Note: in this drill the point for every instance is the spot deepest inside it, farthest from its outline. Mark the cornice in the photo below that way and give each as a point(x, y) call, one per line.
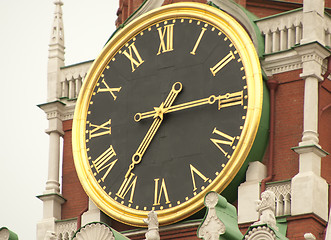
point(280, 62)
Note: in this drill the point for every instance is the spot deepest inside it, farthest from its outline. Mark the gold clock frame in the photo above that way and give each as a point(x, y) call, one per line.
point(246, 49)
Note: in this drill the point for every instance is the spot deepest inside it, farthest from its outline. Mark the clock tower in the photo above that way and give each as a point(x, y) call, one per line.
point(185, 98)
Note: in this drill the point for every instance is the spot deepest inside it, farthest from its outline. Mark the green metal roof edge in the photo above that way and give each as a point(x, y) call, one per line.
point(75, 64)
point(51, 194)
point(47, 103)
point(125, 22)
point(279, 14)
point(66, 220)
point(252, 18)
point(12, 235)
point(227, 214)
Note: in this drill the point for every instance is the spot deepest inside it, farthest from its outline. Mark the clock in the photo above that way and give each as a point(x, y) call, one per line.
point(169, 111)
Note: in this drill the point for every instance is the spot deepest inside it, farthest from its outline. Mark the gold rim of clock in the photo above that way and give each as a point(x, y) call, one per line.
point(239, 37)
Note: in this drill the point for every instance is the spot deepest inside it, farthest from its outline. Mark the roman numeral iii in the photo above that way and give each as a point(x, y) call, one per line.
point(166, 35)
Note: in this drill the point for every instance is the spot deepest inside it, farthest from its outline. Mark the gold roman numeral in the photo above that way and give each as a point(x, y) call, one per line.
point(198, 41)
point(108, 89)
point(195, 171)
point(166, 35)
point(99, 130)
point(231, 99)
point(134, 57)
point(128, 184)
point(222, 63)
point(103, 161)
point(218, 142)
point(158, 192)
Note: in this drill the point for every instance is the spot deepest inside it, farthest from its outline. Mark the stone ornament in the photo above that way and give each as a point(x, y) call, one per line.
point(220, 219)
point(94, 231)
point(212, 227)
point(260, 232)
point(266, 209)
point(153, 226)
point(6, 234)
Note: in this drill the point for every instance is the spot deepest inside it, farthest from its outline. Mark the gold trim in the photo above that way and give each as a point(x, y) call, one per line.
point(245, 47)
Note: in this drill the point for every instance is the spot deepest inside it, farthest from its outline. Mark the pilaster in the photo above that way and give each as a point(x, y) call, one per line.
point(309, 190)
point(249, 192)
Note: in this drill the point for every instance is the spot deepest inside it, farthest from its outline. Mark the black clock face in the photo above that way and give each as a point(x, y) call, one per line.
point(166, 114)
point(169, 111)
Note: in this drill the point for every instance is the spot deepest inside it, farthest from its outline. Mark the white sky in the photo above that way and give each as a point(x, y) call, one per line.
point(25, 31)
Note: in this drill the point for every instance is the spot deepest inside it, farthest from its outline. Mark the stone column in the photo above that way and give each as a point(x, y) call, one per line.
point(309, 190)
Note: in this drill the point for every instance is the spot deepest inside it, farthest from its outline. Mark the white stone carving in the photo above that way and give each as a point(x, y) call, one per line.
point(153, 226)
point(95, 231)
point(66, 229)
point(282, 191)
point(212, 227)
point(4, 234)
point(261, 232)
point(50, 235)
point(309, 236)
point(266, 209)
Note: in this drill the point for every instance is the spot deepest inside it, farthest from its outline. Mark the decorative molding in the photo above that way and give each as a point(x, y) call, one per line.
point(94, 231)
point(260, 232)
point(220, 221)
point(212, 227)
point(282, 191)
point(66, 229)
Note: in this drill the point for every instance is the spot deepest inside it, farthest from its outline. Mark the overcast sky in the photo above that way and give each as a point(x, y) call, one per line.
point(25, 32)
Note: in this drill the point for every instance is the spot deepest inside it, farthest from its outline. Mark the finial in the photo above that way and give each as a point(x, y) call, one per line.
point(58, 2)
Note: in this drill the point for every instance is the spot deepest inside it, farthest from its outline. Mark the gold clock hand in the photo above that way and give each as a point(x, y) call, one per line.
point(182, 106)
point(226, 100)
point(158, 115)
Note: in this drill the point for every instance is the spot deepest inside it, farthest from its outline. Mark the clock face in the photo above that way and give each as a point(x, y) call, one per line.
point(165, 115)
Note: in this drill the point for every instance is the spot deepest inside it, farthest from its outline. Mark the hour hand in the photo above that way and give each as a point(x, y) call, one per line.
point(158, 115)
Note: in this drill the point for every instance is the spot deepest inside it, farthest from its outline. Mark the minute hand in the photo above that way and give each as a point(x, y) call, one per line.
point(226, 100)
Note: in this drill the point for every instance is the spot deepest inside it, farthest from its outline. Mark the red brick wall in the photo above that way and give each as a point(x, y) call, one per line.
point(325, 127)
point(298, 226)
point(72, 191)
point(288, 124)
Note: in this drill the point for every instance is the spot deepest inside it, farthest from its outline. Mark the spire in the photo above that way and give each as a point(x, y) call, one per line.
point(57, 35)
point(55, 53)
